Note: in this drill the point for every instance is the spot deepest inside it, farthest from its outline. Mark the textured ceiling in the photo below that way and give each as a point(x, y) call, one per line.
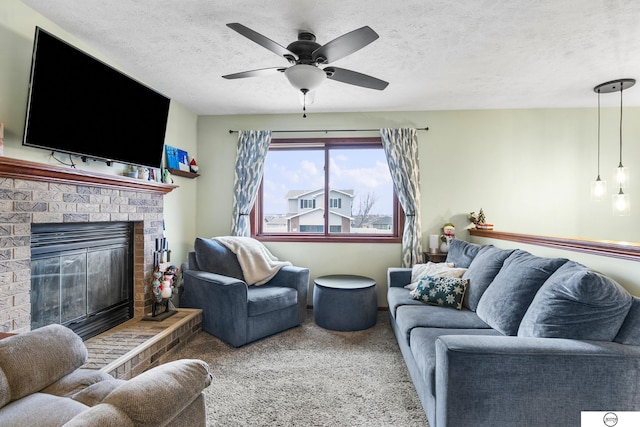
point(436, 54)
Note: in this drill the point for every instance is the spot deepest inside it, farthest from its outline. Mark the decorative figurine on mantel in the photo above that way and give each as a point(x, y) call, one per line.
point(449, 234)
point(193, 165)
point(166, 176)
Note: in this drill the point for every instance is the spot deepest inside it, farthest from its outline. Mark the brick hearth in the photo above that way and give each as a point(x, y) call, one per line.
point(40, 193)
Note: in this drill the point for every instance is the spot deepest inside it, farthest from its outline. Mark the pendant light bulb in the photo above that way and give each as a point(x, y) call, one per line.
point(598, 189)
point(622, 176)
point(621, 204)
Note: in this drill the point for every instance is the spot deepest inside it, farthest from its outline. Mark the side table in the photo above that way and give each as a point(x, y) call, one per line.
point(437, 257)
point(344, 302)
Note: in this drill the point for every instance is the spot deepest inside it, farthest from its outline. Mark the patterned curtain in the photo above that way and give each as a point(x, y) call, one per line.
point(252, 150)
point(401, 148)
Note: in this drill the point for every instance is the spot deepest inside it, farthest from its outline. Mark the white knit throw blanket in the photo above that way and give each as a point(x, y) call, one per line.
point(257, 263)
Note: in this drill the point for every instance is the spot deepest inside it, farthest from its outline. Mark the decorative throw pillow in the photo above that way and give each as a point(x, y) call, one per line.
point(577, 303)
point(439, 269)
point(461, 253)
point(504, 303)
point(442, 291)
point(483, 269)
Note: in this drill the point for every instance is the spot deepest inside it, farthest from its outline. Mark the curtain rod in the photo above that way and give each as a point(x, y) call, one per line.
point(325, 130)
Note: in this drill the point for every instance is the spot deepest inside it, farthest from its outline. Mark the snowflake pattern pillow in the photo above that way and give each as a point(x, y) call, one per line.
point(440, 269)
point(442, 291)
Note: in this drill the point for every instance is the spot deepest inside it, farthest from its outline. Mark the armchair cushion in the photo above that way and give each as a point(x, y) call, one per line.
point(267, 298)
point(214, 257)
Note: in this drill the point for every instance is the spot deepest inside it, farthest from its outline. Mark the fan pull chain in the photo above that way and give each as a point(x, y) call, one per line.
point(304, 103)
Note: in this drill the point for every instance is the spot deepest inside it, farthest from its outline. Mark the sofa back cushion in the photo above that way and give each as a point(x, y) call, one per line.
point(33, 360)
point(507, 298)
point(576, 303)
point(214, 257)
point(483, 269)
point(630, 331)
point(461, 253)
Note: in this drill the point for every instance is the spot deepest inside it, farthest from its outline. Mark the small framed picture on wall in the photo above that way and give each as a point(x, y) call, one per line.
point(177, 158)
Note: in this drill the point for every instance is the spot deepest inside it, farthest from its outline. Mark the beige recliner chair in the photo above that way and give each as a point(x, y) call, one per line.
point(42, 384)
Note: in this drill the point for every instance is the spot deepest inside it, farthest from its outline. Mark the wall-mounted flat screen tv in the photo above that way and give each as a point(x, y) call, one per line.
point(79, 105)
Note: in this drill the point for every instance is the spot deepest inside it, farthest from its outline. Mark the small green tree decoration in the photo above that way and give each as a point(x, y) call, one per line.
point(479, 218)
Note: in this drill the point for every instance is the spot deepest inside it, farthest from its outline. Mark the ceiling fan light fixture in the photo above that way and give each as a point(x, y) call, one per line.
point(307, 98)
point(303, 76)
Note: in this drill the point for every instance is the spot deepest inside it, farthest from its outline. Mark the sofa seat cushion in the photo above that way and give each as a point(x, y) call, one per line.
point(504, 303)
point(266, 298)
point(423, 349)
point(481, 272)
point(40, 409)
point(409, 317)
point(397, 297)
point(577, 303)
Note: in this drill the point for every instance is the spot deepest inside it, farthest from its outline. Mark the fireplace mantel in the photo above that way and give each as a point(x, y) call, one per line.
point(22, 169)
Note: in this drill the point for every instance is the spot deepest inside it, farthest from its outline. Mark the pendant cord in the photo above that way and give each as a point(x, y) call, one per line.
point(621, 87)
point(598, 135)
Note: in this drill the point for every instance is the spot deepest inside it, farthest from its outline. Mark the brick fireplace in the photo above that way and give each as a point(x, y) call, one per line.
point(40, 193)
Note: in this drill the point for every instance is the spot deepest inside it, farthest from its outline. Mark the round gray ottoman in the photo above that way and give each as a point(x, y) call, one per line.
point(344, 302)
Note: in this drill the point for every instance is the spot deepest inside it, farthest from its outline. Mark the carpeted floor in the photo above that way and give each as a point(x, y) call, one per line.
point(309, 376)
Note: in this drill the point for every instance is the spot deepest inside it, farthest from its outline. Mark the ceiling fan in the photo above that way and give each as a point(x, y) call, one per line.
point(306, 56)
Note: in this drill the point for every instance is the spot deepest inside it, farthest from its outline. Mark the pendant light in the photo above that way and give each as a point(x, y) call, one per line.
point(598, 187)
point(621, 202)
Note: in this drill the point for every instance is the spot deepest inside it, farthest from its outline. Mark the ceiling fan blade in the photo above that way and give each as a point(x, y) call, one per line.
point(255, 73)
point(263, 41)
point(355, 78)
point(344, 45)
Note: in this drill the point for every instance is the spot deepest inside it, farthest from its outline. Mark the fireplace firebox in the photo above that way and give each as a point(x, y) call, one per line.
point(82, 275)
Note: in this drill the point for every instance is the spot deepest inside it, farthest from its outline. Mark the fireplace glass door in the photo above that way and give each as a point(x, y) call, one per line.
point(82, 276)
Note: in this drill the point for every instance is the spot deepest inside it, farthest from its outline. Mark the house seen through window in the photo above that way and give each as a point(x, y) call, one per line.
point(328, 189)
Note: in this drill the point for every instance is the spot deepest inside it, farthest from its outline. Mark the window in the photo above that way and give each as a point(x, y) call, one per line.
point(349, 175)
point(307, 203)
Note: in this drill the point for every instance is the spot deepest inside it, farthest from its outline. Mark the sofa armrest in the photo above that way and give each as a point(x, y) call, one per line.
point(153, 398)
point(398, 276)
point(298, 279)
point(503, 380)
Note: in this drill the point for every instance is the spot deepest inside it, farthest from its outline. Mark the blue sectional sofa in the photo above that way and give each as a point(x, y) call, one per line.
point(535, 341)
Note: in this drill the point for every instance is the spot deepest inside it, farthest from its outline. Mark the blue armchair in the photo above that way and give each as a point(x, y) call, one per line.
point(233, 311)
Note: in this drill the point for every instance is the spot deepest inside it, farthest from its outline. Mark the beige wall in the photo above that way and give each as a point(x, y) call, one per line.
point(530, 170)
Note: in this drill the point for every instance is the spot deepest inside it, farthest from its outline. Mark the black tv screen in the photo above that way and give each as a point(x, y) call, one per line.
point(80, 105)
